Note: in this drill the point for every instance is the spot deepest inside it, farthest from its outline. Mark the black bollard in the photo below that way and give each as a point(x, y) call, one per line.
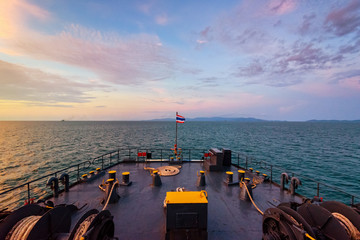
point(229, 178)
point(125, 179)
point(156, 178)
point(241, 175)
point(114, 197)
point(112, 174)
point(201, 179)
point(249, 189)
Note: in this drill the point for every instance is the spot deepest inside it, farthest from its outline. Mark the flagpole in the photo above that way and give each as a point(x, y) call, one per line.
point(175, 147)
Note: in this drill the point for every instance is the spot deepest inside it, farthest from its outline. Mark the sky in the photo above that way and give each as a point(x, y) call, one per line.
point(137, 60)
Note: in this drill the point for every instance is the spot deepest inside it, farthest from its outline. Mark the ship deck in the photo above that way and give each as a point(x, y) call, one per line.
point(140, 214)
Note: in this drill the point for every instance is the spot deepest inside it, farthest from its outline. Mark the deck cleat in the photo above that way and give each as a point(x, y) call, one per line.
point(125, 179)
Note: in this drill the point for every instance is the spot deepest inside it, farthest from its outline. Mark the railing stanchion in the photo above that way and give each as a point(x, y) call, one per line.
point(110, 159)
point(102, 162)
point(161, 155)
point(271, 173)
point(238, 157)
point(28, 188)
point(78, 171)
point(246, 162)
point(318, 190)
point(118, 157)
point(189, 154)
point(352, 200)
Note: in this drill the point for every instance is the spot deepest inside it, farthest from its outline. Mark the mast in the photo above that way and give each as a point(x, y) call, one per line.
point(175, 147)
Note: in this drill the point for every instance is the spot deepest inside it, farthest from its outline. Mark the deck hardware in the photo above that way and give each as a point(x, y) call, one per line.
point(295, 182)
point(125, 179)
point(64, 179)
point(249, 188)
point(200, 179)
point(53, 182)
point(111, 194)
point(284, 179)
point(112, 174)
point(241, 175)
point(266, 177)
point(156, 178)
point(229, 177)
point(257, 173)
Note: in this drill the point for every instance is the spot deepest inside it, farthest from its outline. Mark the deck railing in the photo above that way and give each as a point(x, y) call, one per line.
point(310, 187)
point(15, 197)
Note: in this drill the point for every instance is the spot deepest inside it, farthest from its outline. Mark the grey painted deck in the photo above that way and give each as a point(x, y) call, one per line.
point(139, 214)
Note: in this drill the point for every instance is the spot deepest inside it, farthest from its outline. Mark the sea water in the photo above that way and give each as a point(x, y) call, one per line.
point(325, 151)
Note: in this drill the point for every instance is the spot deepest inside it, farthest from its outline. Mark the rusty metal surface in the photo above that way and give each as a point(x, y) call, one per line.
point(140, 214)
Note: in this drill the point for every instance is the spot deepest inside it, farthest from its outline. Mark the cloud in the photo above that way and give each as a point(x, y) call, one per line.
point(345, 20)
point(27, 84)
point(14, 14)
point(162, 19)
point(119, 60)
point(253, 69)
point(127, 59)
point(307, 22)
point(280, 7)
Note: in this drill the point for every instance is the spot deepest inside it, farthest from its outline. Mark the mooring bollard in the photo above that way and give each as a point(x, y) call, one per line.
point(241, 175)
point(201, 179)
point(156, 178)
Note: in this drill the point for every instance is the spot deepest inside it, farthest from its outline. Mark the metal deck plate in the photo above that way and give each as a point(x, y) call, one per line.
point(140, 214)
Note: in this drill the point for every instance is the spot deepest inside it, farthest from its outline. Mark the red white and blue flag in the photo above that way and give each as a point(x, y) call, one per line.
point(180, 119)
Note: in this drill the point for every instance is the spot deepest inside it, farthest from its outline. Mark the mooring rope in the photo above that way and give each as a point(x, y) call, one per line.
point(348, 226)
point(22, 229)
point(83, 227)
point(247, 190)
point(112, 188)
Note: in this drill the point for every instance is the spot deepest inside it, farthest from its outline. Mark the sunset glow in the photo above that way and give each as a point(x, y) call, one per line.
point(116, 60)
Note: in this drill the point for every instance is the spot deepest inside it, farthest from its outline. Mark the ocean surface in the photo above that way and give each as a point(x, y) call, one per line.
point(327, 152)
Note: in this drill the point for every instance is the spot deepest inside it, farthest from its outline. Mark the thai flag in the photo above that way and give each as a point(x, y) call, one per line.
point(180, 119)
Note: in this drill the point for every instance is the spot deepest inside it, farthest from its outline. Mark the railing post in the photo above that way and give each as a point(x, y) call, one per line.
point(118, 157)
point(318, 190)
point(238, 157)
point(129, 153)
point(110, 159)
point(161, 155)
point(78, 171)
point(28, 188)
point(189, 154)
point(246, 162)
point(352, 200)
point(102, 162)
point(271, 173)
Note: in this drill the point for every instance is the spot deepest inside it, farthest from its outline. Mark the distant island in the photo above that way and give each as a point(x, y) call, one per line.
point(223, 119)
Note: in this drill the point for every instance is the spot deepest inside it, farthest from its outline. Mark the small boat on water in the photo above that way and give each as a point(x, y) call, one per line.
point(194, 194)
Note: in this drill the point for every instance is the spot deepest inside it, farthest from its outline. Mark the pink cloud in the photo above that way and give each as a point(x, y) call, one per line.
point(162, 19)
point(15, 14)
point(121, 60)
point(281, 7)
